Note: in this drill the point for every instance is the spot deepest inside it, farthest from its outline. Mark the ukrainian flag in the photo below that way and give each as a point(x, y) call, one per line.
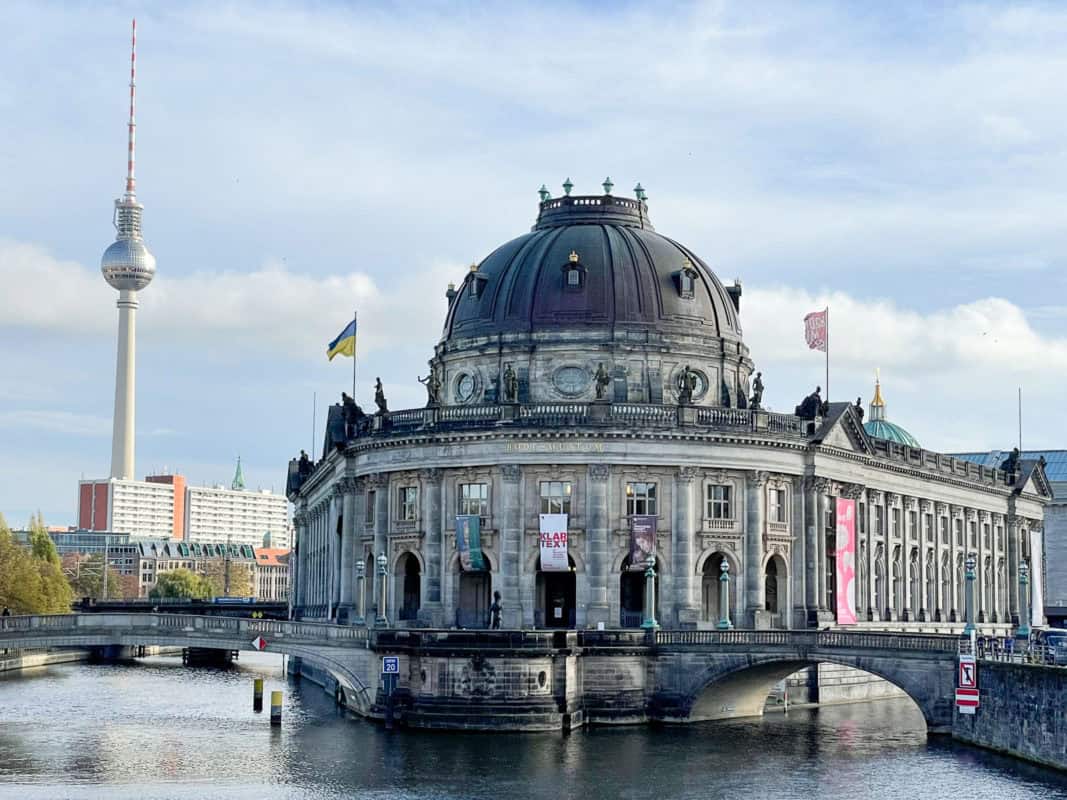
point(344, 344)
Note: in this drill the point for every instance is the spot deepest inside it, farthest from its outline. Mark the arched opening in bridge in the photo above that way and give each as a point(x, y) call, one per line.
point(475, 597)
point(778, 684)
point(408, 587)
point(556, 593)
point(710, 609)
point(632, 593)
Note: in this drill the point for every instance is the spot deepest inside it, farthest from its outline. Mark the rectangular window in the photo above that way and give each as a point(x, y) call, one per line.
point(986, 540)
point(640, 498)
point(944, 529)
point(896, 522)
point(720, 502)
point(368, 512)
point(776, 505)
point(555, 497)
point(958, 523)
point(862, 517)
point(879, 521)
point(913, 521)
point(1000, 538)
point(474, 499)
point(409, 503)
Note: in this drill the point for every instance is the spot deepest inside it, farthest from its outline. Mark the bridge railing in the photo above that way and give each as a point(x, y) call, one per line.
point(865, 640)
point(187, 623)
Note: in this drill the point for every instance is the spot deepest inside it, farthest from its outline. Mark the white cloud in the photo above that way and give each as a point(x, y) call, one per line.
point(63, 422)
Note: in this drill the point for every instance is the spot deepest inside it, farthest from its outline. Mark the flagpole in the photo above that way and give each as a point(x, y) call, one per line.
point(355, 327)
point(314, 413)
point(828, 355)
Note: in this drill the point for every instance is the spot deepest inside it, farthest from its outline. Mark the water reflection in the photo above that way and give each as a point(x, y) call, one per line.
point(157, 729)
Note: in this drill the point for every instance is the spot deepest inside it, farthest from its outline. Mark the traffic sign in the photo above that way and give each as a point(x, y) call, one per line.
point(968, 672)
point(966, 700)
point(390, 665)
point(259, 643)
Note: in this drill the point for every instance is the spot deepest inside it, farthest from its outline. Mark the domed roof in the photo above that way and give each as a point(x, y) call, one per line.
point(884, 429)
point(627, 277)
point(881, 428)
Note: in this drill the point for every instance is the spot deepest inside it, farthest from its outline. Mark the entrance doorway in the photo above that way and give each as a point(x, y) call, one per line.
point(409, 587)
point(709, 588)
point(556, 603)
point(475, 597)
point(632, 594)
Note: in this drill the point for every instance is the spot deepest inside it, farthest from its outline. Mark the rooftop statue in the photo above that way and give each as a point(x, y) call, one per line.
point(811, 406)
point(304, 464)
point(353, 415)
point(757, 392)
point(433, 388)
point(379, 397)
point(1010, 465)
point(687, 384)
point(602, 380)
point(511, 385)
point(858, 408)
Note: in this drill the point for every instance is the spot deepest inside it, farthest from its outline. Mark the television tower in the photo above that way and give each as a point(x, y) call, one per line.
point(129, 267)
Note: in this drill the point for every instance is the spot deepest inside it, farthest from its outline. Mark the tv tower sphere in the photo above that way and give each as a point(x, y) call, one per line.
point(127, 264)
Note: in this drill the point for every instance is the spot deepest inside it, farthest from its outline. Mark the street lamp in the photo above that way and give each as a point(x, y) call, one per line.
point(361, 570)
point(968, 629)
point(382, 620)
point(724, 597)
point(1023, 631)
point(649, 622)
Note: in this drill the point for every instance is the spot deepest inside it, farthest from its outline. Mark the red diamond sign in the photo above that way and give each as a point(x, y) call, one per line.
point(259, 643)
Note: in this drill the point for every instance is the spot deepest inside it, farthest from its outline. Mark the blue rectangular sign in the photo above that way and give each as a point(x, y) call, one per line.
point(390, 665)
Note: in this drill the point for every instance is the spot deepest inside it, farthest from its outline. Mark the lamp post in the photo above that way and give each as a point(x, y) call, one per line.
point(968, 629)
point(724, 597)
point(382, 621)
point(649, 622)
point(361, 597)
point(1023, 631)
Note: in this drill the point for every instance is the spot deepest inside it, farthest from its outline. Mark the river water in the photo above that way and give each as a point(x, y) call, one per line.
point(156, 729)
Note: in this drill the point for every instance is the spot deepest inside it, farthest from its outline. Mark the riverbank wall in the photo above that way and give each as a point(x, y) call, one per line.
point(1022, 712)
point(28, 659)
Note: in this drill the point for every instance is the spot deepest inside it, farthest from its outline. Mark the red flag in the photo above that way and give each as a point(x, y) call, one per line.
point(815, 330)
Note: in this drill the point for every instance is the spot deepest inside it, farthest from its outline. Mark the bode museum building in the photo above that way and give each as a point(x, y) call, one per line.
point(593, 411)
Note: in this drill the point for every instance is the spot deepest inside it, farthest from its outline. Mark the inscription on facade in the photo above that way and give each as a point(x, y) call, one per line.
point(554, 447)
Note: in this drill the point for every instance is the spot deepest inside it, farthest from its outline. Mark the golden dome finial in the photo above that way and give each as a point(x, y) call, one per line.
point(877, 401)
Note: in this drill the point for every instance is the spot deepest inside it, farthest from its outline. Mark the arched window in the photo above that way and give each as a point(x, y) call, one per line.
point(770, 584)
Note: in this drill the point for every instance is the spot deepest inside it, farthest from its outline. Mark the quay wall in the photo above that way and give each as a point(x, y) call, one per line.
point(1022, 712)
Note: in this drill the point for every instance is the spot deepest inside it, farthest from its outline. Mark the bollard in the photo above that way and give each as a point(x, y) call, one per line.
point(257, 695)
point(275, 708)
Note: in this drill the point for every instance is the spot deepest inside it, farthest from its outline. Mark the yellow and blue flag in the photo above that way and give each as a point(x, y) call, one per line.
point(344, 344)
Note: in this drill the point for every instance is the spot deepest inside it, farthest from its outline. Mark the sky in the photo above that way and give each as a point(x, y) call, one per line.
point(904, 164)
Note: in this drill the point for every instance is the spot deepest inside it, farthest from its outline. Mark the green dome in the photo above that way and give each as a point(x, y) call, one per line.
point(883, 429)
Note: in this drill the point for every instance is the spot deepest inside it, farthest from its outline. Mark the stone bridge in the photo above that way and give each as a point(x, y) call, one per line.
point(539, 680)
point(337, 650)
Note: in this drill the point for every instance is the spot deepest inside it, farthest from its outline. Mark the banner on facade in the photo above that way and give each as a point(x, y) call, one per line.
point(1037, 572)
point(469, 542)
point(845, 552)
point(642, 539)
point(554, 543)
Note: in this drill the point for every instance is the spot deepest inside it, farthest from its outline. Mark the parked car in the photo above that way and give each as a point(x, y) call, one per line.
point(1053, 643)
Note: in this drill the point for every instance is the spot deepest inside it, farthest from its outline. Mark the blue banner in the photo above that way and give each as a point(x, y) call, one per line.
point(469, 543)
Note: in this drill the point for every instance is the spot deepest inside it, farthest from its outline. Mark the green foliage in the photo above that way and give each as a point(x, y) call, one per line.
point(240, 578)
point(86, 577)
point(31, 580)
point(181, 583)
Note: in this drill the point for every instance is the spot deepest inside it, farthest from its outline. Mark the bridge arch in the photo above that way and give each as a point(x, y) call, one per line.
point(737, 685)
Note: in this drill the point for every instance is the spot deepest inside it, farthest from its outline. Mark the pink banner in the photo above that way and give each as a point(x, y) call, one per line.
point(815, 330)
point(846, 561)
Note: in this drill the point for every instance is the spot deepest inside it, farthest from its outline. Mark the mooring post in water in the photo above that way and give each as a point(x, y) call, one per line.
point(275, 708)
point(257, 695)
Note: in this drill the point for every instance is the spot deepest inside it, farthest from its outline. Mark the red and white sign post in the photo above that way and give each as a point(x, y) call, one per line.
point(967, 688)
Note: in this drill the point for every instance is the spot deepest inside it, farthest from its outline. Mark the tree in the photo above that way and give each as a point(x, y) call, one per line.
point(180, 583)
point(240, 578)
point(31, 580)
point(56, 594)
point(86, 576)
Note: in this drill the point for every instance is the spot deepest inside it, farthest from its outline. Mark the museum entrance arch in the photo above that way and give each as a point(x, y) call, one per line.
point(632, 593)
point(408, 587)
point(710, 610)
point(556, 597)
point(475, 597)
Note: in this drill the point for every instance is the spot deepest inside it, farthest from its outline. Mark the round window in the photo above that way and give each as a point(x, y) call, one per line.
point(571, 380)
point(465, 386)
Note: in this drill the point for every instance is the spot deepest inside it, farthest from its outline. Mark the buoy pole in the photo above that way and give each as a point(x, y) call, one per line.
point(257, 695)
point(276, 708)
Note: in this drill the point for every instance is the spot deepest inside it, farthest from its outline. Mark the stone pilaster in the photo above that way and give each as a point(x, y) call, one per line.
point(296, 567)
point(597, 534)
point(380, 483)
point(433, 545)
point(686, 610)
point(348, 544)
point(333, 549)
point(510, 545)
point(798, 573)
point(755, 487)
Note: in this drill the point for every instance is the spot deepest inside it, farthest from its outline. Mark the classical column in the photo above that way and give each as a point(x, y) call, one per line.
point(333, 548)
point(892, 568)
point(597, 535)
point(1013, 539)
point(908, 506)
point(510, 545)
point(811, 548)
point(686, 611)
point(296, 570)
point(823, 505)
point(985, 592)
point(874, 498)
point(348, 545)
point(926, 603)
point(754, 490)
point(955, 512)
point(432, 609)
point(999, 590)
point(798, 575)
